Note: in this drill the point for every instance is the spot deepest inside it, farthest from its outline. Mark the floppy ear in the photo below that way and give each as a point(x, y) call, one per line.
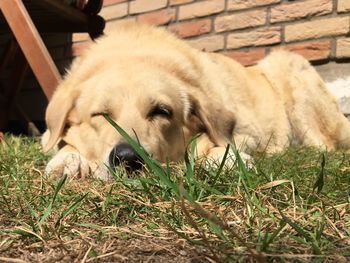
point(56, 115)
point(211, 118)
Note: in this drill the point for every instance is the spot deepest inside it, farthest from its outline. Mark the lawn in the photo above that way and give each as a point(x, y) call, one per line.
point(293, 206)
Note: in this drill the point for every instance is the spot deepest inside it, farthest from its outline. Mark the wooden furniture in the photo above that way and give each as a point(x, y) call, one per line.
point(25, 19)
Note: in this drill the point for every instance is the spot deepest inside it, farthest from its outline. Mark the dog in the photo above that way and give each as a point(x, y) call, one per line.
point(163, 92)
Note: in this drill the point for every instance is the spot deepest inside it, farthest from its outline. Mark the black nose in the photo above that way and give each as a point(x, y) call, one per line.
point(123, 154)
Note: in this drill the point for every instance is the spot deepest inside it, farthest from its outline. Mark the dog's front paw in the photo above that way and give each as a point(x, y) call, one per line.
point(67, 163)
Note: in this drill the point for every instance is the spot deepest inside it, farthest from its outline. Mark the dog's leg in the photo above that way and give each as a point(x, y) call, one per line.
point(67, 161)
point(343, 133)
point(312, 110)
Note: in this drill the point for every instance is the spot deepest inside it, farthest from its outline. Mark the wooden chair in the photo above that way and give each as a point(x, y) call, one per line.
point(25, 19)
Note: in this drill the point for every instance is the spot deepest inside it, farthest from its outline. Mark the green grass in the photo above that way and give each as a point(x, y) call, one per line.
point(293, 206)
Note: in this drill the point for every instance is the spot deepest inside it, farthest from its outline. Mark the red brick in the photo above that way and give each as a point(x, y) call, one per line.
point(208, 43)
point(180, 2)
point(300, 9)
point(343, 6)
point(78, 48)
point(343, 48)
point(200, 9)
point(114, 11)
point(241, 20)
point(142, 6)
point(248, 57)
point(245, 4)
point(258, 37)
point(158, 17)
point(193, 28)
point(332, 26)
point(114, 24)
point(112, 2)
point(313, 51)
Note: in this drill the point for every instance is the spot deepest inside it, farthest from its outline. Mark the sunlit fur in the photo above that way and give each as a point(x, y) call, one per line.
point(135, 68)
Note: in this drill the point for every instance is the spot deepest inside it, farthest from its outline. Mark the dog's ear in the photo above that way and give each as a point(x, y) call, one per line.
point(211, 118)
point(57, 111)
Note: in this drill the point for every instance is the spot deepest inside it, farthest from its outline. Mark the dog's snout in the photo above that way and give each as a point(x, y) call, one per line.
point(123, 154)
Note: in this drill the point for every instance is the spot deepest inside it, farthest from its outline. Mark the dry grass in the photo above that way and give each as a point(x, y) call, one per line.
point(291, 207)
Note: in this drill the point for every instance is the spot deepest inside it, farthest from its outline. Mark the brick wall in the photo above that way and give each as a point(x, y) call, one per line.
point(245, 30)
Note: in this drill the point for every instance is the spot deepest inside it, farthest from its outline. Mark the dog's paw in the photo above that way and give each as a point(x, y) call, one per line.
point(67, 163)
point(101, 172)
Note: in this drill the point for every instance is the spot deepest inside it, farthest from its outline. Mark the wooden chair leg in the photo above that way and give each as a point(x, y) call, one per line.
point(31, 44)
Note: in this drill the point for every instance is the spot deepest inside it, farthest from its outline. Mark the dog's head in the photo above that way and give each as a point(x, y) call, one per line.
point(157, 102)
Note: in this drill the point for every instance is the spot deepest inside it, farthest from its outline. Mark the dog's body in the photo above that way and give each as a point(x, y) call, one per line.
point(162, 92)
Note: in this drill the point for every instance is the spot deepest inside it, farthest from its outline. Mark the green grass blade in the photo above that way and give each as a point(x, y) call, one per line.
point(249, 180)
point(270, 238)
point(152, 164)
point(71, 208)
point(318, 186)
point(320, 230)
point(48, 209)
point(222, 164)
point(302, 232)
point(217, 230)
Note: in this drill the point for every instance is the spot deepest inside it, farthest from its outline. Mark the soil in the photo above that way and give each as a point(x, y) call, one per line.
point(134, 249)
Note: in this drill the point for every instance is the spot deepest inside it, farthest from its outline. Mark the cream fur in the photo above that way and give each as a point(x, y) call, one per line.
point(280, 101)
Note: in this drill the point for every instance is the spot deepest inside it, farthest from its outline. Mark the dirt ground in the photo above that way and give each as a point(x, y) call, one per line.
point(134, 249)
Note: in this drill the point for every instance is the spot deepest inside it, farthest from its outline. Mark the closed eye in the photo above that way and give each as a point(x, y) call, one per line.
point(160, 111)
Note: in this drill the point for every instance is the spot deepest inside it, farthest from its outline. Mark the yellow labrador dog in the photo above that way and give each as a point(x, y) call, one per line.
point(162, 92)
